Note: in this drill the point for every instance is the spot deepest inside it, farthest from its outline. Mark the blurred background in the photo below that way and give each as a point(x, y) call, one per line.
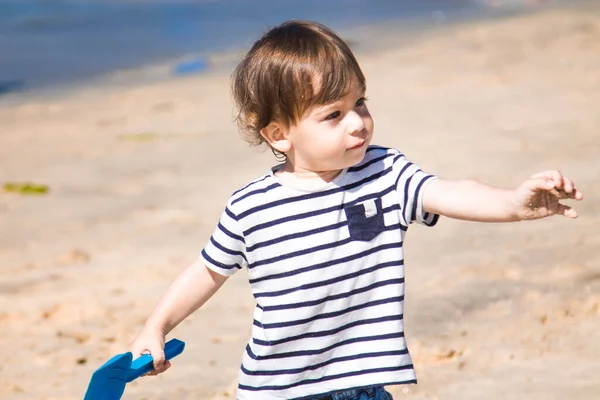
point(50, 42)
point(119, 150)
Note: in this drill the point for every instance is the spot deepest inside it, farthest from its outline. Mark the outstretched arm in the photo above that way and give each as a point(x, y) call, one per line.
point(537, 197)
point(188, 292)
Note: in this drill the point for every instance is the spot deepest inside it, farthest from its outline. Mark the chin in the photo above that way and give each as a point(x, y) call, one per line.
point(357, 157)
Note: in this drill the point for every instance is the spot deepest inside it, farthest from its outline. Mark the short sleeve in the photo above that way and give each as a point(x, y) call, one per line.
point(225, 251)
point(410, 185)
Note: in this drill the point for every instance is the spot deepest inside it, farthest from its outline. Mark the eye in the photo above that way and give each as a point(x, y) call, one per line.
point(333, 116)
point(361, 102)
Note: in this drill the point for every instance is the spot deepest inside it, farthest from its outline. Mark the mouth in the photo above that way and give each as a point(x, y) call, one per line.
point(358, 145)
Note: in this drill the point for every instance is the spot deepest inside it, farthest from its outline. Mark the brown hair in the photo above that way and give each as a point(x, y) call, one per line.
point(292, 68)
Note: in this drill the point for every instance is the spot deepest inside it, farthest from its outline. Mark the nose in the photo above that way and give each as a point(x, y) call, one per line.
point(356, 122)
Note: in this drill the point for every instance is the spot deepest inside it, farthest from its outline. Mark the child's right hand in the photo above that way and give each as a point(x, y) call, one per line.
point(153, 343)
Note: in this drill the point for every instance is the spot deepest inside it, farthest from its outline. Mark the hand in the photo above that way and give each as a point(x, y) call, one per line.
point(540, 196)
point(153, 343)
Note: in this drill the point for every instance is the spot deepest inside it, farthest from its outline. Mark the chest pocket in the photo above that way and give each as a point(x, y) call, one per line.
point(365, 220)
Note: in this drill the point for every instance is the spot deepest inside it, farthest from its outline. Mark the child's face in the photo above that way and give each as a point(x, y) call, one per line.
point(331, 137)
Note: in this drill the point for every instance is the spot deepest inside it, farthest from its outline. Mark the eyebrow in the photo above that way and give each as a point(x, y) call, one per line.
point(327, 108)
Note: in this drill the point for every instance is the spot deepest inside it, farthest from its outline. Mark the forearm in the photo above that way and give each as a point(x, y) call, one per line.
point(470, 200)
point(188, 292)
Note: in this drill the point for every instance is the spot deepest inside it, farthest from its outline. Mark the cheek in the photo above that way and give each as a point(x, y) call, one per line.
point(318, 139)
point(369, 123)
point(330, 140)
point(367, 119)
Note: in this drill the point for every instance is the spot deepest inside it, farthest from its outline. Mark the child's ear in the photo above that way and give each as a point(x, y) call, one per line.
point(277, 137)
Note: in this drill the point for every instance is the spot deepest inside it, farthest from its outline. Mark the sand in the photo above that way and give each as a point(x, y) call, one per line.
point(139, 175)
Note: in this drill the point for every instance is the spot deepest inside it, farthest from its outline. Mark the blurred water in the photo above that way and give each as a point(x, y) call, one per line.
point(48, 42)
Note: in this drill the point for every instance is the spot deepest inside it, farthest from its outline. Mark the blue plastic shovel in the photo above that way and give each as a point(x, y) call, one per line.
point(108, 382)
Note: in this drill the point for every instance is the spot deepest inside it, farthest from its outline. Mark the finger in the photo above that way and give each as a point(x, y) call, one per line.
point(158, 357)
point(141, 353)
point(567, 211)
point(164, 366)
point(551, 175)
point(568, 185)
point(562, 194)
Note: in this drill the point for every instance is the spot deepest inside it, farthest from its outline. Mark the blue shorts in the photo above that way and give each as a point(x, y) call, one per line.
point(372, 393)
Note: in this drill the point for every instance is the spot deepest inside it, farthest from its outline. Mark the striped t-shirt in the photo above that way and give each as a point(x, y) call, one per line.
point(326, 269)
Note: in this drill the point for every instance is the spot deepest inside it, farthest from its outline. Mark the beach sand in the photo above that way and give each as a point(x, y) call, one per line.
point(138, 177)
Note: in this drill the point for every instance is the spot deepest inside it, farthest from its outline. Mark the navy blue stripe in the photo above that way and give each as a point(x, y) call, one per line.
point(318, 212)
point(374, 147)
point(229, 233)
point(327, 263)
point(226, 250)
point(393, 207)
point(325, 363)
point(254, 182)
point(435, 220)
point(369, 163)
point(402, 171)
point(218, 264)
point(253, 192)
point(325, 378)
point(405, 212)
point(313, 249)
point(230, 214)
point(400, 175)
point(413, 216)
point(334, 314)
point(395, 263)
point(316, 195)
point(296, 235)
point(352, 324)
point(334, 297)
point(369, 149)
point(313, 352)
point(289, 218)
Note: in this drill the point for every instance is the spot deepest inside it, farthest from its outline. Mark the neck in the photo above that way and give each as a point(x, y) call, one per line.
point(306, 176)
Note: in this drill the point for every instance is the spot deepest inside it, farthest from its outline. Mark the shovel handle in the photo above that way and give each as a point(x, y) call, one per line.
point(144, 364)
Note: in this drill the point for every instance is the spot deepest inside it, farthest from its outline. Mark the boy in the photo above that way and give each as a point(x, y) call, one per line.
point(321, 234)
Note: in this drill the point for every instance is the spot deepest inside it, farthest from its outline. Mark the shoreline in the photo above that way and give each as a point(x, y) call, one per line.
point(364, 39)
